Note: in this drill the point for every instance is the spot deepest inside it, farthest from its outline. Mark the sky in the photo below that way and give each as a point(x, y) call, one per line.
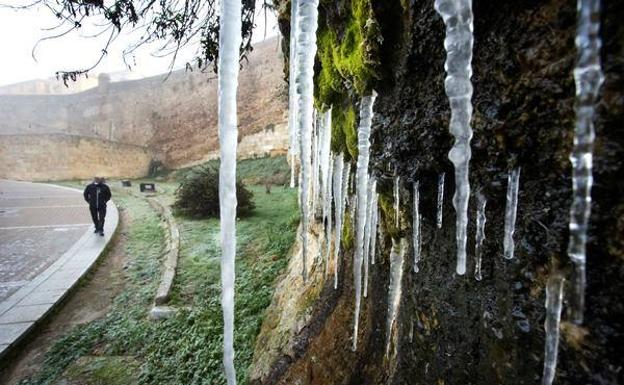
point(20, 30)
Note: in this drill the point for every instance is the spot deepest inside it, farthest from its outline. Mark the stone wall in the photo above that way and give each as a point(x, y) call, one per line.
point(175, 116)
point(272, 141)
point(62, 157)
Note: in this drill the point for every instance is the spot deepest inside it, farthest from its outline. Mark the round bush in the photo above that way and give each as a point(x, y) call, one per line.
point(198, 194)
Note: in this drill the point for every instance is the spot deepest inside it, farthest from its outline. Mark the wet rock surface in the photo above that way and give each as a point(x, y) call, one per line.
point(454, 329)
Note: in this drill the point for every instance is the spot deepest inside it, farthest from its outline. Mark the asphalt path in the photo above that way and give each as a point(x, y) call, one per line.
point(38, 224)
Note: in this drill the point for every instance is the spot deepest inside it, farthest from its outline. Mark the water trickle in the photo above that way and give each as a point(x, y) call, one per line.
point(307, 19)
point(513, 182)
point(554, 301)
point(338, 210)
point(229, 43)
point(588, 78)
point(440, 200)
point(416, 226)
point(362, 191)
point(458, 18)
point(480, 235)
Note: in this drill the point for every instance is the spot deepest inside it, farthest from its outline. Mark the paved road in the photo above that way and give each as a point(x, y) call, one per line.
point(46, 246)
point(38, 224)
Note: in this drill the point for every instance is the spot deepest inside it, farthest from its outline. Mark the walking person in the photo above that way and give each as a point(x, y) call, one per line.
point(97, 194)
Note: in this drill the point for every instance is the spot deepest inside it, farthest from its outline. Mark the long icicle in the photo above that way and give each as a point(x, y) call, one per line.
point(229, 42)
point(316, 130)
point(292, 97)
point(511, 208)
point(366, 117)
point(588, 77)
point(554, 302)
point(397, 198)
point(307, 15)
point(416, 225)
point(440, 204)
point(338, 213)
point(327, 167)
point(457, 15)
point(480, 234)
point(368, 231)
point(328, 214)
point(373, 246)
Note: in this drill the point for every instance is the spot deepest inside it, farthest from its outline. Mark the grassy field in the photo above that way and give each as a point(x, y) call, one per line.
point(185, 349)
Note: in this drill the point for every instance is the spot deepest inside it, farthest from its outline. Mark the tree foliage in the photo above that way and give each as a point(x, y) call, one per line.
point(174, 23)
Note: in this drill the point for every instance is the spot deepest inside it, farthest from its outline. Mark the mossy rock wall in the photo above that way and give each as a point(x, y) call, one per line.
point(454, 329)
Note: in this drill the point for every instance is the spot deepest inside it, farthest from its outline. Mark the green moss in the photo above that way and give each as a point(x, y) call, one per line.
point(387, 208)
point(347, 232)
point(344, 132)
point(347, 70)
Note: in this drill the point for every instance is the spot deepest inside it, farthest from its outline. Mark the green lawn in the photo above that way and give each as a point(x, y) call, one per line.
point(187, 348)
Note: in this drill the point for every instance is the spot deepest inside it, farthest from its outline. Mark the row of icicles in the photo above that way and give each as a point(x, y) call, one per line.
point(325, 177)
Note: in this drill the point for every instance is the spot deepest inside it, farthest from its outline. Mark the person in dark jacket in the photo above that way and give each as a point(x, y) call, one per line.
point(97, 194)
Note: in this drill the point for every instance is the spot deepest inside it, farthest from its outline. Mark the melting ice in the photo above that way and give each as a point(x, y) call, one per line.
point(588, 77)
point(480, 234)
point(457, 16)
point(362, 190)
point(307, 15)
point(229, 43)
point(513, 182)
point(416, 226)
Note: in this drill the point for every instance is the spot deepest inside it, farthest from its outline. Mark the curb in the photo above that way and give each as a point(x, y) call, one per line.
point(172, 251)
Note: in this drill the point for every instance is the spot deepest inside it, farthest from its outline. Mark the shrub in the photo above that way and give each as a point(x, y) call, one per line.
point(198, 194)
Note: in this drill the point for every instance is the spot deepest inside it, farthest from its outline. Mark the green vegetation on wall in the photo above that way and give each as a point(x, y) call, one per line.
point(347, 67)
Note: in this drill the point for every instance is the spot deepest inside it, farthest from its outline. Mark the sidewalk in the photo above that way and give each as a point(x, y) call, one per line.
point(34, 218)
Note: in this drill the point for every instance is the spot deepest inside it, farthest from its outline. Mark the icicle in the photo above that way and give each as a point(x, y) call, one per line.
point(292, 96)
point(480, 235)
point(554, 300)
point(328, 210)
point(373, 245)
point(315, 160)
point(346, 179)
point(229, 43)
point(397, 254)
point(338, 211)
point(416, 226)
point(327, 167)
point(368, 230)
point(440, 200)
point(353, 208)
point(457, 16)
point(513, 182)
point(588, 78)
point(293, 170)
point(397, 197)
point(362, 189)
point(307, 15)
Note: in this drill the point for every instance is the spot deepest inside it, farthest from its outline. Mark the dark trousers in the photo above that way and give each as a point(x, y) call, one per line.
point(98, 214)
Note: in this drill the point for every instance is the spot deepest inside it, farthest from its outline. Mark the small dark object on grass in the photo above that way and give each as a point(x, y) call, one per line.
point(126, 183)
point(198, 195)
